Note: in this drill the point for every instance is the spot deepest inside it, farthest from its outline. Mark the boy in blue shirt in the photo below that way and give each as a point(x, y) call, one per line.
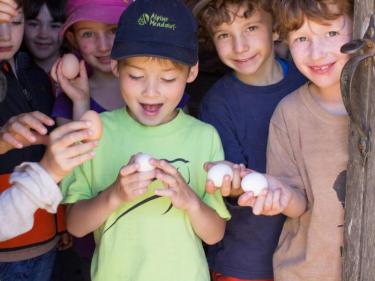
point(147, 229)
point(240, 106)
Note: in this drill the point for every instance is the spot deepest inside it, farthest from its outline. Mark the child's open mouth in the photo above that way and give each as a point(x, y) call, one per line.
point(151, 109)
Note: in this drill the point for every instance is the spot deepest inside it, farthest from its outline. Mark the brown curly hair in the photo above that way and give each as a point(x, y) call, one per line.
point(217, 12)
point(290, 14)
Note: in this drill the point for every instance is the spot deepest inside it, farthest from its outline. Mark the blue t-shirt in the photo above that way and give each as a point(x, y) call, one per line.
point(241, 114)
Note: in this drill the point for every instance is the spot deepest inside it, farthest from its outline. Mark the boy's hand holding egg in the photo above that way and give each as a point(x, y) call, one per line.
point(254, 182)
point(143, 161)
point(225, 176)
point(217, 173)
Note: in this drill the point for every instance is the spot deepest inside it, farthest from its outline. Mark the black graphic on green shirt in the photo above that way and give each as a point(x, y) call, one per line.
point(181, 166)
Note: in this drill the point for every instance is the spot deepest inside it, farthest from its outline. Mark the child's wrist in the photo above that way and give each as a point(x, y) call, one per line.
point(194, 205)
point(114, 200)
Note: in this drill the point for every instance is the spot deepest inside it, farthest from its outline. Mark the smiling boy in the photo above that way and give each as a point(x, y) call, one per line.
point(308, 144)
point(240, 106)
point(149, 225)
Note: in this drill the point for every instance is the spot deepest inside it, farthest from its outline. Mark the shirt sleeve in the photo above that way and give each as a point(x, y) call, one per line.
point(281, 161)
point(215, 200)
point(77, 185)
point(31, 188)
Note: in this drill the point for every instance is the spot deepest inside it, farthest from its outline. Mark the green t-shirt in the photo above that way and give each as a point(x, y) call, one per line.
point(148, 239)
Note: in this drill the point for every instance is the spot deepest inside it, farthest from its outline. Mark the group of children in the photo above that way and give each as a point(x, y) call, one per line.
point(284, 118)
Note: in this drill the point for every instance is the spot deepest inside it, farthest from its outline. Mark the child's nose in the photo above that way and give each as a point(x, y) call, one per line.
point(240, 44)
point(43, 31)
point(5, 32)
point(151, 88)
point(105, 43)
point(318, 49)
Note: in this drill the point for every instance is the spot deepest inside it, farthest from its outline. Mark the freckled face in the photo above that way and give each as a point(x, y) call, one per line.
point(315, 48)
point(94, 40)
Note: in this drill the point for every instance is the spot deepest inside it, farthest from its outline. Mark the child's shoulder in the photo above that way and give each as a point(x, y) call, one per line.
point(291, 104)
point(195, 124)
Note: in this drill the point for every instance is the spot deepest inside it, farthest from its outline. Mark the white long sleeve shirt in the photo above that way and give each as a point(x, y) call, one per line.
point(32, 188)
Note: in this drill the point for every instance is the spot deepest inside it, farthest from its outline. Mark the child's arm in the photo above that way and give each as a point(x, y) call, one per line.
point(277, 198)
point(88, 215)
point(34, 186)
point(24, 130)
point(76, 89)
point(207, 224)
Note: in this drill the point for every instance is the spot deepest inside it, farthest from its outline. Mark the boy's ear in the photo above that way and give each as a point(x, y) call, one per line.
point(71, 40)
point(114, 67)
point(193, 73)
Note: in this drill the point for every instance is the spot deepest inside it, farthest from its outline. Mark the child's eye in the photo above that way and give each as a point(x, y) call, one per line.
point(114, 30)
point(134, 77)
point(87, 34)
point(56, 25)
point(252, 28)
point(301, 39)
point(332, 33)
point(168, 80)
point(222, 36)
point(17, 22)
point(32, 24)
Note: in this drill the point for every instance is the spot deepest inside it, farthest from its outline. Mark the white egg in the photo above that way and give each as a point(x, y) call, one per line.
point(70, 66)
point(143, 160)
point(254, 182)
point(216, 173)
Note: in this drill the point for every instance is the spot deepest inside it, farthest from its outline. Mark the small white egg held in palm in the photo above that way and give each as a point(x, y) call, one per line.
point(217, 173)
point(254, 182)
point(70, 66)
point(143, 160)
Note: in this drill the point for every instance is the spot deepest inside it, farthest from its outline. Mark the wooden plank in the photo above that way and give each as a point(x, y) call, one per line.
point(359, 240)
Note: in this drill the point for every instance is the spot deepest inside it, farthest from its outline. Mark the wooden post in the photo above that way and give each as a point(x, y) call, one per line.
point(359, 237)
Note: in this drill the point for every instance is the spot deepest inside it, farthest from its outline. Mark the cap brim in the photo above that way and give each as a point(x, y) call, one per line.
point(108, 14)
point(122, 50)
point(199, 6)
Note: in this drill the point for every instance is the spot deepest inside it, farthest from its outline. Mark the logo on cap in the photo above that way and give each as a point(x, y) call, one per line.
point(156, 20)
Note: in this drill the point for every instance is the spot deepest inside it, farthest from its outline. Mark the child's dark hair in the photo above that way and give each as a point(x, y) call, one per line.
point(20, 4)
point(217, 12)
point(55, 7)
point(290, 14)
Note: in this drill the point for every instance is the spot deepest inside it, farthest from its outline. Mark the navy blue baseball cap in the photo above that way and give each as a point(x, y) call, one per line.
point(157, 28)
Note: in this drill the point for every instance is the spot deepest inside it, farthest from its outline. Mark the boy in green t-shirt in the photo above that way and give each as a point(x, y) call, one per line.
point(149, 225)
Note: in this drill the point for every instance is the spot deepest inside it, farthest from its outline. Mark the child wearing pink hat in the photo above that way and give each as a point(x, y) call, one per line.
point(90, 29)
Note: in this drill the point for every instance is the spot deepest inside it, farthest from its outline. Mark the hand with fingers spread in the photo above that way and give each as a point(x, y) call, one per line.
point(76, 89)
point(230, 186)
point(24, 130)
point(276, 199)
point(131, 183)
point(176, 188)
point(8, 9)
point(66, 149)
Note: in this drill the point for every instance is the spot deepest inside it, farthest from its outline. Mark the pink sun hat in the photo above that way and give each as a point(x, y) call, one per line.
point(106, 11)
